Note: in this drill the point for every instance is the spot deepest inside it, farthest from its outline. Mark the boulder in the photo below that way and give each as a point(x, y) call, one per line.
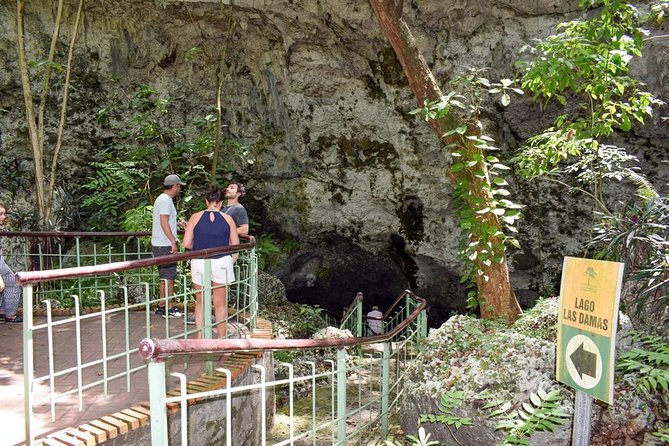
point(488, 361)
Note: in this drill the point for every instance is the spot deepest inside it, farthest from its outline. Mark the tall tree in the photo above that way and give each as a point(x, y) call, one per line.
point(462, 137)
point(44, 187)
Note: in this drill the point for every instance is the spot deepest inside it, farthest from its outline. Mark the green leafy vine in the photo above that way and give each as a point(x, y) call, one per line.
point(481, 194)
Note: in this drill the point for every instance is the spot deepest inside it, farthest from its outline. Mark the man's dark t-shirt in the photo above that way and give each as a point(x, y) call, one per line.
point(238, 214)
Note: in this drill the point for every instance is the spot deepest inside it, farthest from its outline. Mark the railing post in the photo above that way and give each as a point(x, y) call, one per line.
point(103, 326)
point(359, 324)
point(385, 389)
point(313, 400)
point(253, 265)
point(28, 366)
point(77, 242)
point(424, 327)
point(206, 297)
point(407, 306)
point(341, 397)
point(156, 374)
point(263, 403)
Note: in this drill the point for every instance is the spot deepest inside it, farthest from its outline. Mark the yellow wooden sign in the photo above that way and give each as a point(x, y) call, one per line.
point(589, 299)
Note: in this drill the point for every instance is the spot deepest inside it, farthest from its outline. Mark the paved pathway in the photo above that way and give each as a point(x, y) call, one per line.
point(95, 405)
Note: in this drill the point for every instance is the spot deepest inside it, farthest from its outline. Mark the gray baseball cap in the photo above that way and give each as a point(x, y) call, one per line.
point(171, 180)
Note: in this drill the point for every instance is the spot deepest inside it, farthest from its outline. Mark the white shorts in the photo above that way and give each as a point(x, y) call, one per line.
point(222, 270)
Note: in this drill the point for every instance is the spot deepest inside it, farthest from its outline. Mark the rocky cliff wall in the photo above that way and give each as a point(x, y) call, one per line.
point(316, 93)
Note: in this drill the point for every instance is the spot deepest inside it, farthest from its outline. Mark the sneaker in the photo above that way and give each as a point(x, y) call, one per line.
point(160, 310)
point(172, 313)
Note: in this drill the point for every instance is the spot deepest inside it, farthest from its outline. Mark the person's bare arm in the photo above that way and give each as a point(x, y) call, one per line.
point(234, 236)
point(188, 235)
point(165, 225)
point(243, 229)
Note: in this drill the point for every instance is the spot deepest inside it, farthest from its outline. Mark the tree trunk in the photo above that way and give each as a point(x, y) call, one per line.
point(494, 286)
point(40, 180)
point(44, 187)
point(63, 111)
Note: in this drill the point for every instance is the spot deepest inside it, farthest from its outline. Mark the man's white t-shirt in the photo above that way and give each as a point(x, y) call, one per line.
point(163, 206)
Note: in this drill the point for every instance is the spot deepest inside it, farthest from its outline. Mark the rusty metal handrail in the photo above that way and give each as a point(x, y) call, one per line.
point(71, 234)
point(74, 234)
point(26, 277)
point(392, 307)
point(358, 298)
point(160, 349)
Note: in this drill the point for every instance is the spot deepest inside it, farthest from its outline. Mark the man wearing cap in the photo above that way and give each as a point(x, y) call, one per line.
point(164, 241)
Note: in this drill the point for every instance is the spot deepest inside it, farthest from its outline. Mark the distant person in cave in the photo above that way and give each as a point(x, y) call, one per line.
point(375, 321)
point(11, 294)
point(212, 228)
point(233, 193)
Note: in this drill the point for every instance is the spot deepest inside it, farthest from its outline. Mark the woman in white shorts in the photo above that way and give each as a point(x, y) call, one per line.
point(206, 229)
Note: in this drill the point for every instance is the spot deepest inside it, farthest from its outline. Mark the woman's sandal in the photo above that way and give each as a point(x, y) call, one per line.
point(14, 320)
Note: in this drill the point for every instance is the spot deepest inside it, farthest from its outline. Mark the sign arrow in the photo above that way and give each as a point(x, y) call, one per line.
point(584, 361)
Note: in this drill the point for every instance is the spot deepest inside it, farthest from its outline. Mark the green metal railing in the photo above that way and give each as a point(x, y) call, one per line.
point(40, 251)
point(68, 356)
point(352, 319)
point(362, 384)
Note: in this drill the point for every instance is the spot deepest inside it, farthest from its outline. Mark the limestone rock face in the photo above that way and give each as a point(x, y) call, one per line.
point(316, 94)
point(271, 291)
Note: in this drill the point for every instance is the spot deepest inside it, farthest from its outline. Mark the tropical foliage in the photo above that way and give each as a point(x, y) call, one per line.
point(639, 237)
point(482, 242)
point(144, 149)
point(586, 68)
point(540, 413)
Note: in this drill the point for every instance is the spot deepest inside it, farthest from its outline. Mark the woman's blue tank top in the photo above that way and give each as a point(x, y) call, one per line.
point(211, 234)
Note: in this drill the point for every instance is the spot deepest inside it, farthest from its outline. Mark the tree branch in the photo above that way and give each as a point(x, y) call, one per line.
point(47, 73)
point(63, 111)
point(30, 111)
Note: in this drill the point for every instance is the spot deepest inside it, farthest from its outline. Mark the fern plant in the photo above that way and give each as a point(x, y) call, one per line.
point(649, 367)
point(111, 187)
point(423, 439)
point(650, 363)
point(540, 413)
point(449, 401)
point(663, 434)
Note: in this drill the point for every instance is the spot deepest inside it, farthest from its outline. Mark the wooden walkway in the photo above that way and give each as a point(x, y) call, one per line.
point(95, 405)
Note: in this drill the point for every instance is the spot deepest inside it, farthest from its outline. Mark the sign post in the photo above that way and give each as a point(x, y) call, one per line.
point(589, 301)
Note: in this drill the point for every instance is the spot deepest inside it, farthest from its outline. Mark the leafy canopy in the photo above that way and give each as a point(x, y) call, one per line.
point(144, 147)
point(586, 65)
